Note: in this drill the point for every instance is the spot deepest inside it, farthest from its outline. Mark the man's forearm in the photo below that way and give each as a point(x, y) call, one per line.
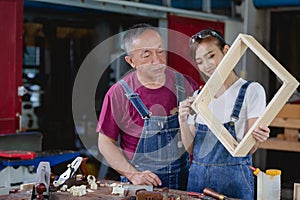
point(114, 156)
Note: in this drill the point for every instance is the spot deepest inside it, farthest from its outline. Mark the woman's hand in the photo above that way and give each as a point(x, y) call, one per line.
point(187, 131)
point(261, 134)
point(185, 109)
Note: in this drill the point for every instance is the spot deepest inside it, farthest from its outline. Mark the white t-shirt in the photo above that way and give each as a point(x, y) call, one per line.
point(253, 106)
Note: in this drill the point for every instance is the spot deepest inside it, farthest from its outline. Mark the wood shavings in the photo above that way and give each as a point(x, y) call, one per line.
point(118, 190)
point(78, 190)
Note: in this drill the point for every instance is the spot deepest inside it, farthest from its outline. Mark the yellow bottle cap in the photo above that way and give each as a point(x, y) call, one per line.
point(256, 171)
point(273, 172)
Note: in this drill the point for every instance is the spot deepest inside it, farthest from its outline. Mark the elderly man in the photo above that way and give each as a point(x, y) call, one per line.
point(141, 109)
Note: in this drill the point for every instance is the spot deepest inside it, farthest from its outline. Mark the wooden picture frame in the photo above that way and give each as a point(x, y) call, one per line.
point(200, 105)
point(296, 191)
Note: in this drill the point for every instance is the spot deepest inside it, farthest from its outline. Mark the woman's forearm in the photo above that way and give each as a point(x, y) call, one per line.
point(187, 136)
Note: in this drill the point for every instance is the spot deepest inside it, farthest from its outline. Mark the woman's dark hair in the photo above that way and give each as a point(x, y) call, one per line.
point(206, 34)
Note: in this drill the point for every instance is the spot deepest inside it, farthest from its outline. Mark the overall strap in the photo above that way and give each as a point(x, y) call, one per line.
point(239, 102)
point(136, 100)
point(179, 85)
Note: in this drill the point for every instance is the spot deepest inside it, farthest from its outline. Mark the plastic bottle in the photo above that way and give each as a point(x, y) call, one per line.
point(271, 181)
point(268, 184)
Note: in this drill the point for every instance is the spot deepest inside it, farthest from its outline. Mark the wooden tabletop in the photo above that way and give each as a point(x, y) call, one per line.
point(104, 192)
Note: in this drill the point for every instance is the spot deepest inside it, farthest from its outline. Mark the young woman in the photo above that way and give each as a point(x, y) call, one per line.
point(237, 104)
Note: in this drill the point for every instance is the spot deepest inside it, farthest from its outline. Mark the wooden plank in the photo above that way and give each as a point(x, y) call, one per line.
point(267, 58)
point(291, 134)
point(290, 111)
point(278, 101)
point(286, 123)
point(282, 145)
point(265, 119)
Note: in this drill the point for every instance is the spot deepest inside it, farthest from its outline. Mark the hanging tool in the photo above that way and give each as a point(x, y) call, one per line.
point(72, 168)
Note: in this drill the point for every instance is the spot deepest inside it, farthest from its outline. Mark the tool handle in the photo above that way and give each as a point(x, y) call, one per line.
point(83, 169)
point(210, 192)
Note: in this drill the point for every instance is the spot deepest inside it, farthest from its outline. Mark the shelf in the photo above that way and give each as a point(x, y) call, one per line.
point(280, 145)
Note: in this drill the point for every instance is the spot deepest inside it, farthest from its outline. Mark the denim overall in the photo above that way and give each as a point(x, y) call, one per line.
point(214, 167)
point(160, 147)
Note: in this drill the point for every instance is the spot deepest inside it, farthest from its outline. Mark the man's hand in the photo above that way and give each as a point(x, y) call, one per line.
point(144, 178)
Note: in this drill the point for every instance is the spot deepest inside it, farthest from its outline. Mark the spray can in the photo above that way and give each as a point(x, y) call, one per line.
point(268, 184)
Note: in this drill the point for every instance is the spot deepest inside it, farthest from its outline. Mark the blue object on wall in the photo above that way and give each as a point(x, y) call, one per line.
point(191, 4)
point(183, 4)
point(53, 159)
point(58, 7)
point(275, 3)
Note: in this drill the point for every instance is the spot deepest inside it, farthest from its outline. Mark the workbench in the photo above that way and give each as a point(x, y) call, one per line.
point(100, 193)
point(103, 192)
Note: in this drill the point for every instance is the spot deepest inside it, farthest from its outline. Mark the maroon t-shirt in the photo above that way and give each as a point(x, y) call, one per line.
point(119, 116)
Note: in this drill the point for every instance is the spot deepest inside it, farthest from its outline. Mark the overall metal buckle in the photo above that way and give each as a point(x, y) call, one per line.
point(233, 119)
point(147, 116)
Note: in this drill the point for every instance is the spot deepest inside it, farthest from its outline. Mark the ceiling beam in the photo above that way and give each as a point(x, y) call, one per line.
point(135, 8)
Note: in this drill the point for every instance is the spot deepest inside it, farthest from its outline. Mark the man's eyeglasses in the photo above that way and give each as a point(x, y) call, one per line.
point(207, 33)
